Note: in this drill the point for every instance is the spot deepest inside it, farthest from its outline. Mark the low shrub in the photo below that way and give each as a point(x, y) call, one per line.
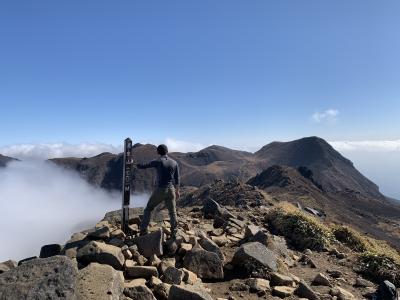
point(378, 267)
point(300, 230)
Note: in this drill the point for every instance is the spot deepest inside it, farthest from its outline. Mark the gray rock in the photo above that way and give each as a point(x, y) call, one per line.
point(280, 279)
point(205, 264)
point(102, 233)
point(210, 245)
point(250, 231)
point(140, 292)
point(187, 292)
point(98, 281)
point(282, 291)
point(173, 275)
point(386, 291)
point(45, 278)
point(321, 279)
point(101, 253)
point(255, 258)
point(162, 290)
point(150, 244)
point(361, 282)
point(50, 250)
point(141, 272)
point(304, 291)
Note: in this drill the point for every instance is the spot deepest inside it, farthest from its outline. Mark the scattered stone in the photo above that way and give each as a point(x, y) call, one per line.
point(217, 232)
point(258, 284)
point(341, 293)
point(136, 282)
point(101, 253)
point(189, 277)
point(50, 250)
point(335, 273)
point(150, 244)
point(250, 231)
point(173, 275)
point(255, 258)
point(361, 282)
point(140, 271)
point(280, 279)
point(205, 264)
point(165, 263)
point(98, 281)
point(187, 292)
point(209, 245)
point(140, 292)
point(282, 291)
point(239, 287)
point(100, 233)
point(154, 261)
point(303, 290)
point(185, 247)
point(321, 279)
point(162, 290)
point(221, 240)
point(43, 278)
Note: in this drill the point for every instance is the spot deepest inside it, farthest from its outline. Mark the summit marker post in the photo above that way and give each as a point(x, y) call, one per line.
point(126, 184)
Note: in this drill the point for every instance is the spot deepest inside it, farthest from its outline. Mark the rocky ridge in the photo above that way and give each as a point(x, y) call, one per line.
point(273, 251)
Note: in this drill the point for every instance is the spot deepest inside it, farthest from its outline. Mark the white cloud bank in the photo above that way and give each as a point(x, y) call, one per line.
point(328, 116)
point(58, 150)
point(369, 146)
point(41, 203)
point(53, 150)
point(183, 146)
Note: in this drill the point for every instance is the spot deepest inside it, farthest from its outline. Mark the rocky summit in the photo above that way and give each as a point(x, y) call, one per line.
point(273, 251)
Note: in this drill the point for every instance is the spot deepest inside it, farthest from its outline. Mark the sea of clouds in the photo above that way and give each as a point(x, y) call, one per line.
point(41, 203)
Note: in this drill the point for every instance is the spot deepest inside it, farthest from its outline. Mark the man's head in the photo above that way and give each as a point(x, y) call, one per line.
point(162, 149)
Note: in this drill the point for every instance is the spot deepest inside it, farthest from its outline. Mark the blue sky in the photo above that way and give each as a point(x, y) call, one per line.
point(237, 73)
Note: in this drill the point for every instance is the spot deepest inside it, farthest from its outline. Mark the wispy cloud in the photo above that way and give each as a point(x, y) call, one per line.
point(45, 151)
point(369, 146)
point(175, 145)
point(328, 116)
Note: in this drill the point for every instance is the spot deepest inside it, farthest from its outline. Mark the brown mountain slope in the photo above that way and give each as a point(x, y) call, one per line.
point(375, 216)
point(4, 160)
point(331, 170)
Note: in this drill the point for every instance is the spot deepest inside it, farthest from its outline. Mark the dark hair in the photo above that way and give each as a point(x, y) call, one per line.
point(162, 149)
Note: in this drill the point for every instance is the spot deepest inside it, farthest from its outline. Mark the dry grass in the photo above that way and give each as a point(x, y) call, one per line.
point(301, 230)
point(376, 260)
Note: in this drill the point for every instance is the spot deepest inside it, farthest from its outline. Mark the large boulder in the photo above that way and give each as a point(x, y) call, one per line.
point(101, 253)
point(98, 281)
point(178, 292)
point(48, 278)
point(205, 264)
point(256, 259)
point(150, 244)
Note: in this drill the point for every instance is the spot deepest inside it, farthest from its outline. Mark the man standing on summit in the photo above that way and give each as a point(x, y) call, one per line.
point(167, 188)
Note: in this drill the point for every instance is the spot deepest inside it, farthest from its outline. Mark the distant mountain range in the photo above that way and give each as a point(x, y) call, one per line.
point(330, 169)
point(307, 172)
